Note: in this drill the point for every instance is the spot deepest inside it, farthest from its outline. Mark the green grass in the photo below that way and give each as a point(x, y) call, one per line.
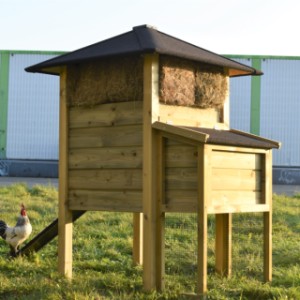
point(102, 254)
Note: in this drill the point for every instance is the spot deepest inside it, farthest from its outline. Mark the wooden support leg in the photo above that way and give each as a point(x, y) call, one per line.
point(152, 225)
point(223, 243)
point(65, 235)
point(160, 250)
point(202, 254)
point(204, 188)
point(268, 246)
point(138, 238)
point(65, 216)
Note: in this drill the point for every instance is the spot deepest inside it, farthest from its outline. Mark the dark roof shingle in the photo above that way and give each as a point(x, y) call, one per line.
point(140, 40)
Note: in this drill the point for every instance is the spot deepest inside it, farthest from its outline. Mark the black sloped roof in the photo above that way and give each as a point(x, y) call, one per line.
point(141, 40)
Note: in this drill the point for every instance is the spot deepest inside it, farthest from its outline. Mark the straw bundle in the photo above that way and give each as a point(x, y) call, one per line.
point(189, 83)
point(110, 80)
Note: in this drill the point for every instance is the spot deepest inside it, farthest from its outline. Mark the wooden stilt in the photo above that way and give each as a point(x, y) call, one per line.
point(223, 244)
point(267, 194)
point(160, 250)
point(65, 220)
point(150, 202)
point(138, 238)
point(204, 177)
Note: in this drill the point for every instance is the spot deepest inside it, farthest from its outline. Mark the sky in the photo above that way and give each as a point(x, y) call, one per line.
point(246, 27)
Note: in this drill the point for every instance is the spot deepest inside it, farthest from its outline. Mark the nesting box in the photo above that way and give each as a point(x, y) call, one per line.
point(144, 128)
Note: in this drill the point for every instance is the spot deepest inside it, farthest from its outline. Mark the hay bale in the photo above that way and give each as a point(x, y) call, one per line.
point(105, 81)
point(177, 81)
point(210, 88)
point(188, 83)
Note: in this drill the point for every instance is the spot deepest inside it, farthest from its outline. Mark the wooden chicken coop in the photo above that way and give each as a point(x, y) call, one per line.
point(144, 128)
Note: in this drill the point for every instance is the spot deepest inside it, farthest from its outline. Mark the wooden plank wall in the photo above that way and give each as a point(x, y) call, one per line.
point(236, 179)
point(105, 157)
point(181, 178)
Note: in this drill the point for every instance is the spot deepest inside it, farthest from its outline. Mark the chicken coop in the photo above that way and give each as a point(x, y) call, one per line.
point(144, 128)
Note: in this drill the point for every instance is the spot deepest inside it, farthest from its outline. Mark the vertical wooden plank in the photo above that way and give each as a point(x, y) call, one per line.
point(138, 238)
point(151, 226)
point(223, 244)
point(160, 234)
point(204, 189)
point(267, 195)
point(65, 223)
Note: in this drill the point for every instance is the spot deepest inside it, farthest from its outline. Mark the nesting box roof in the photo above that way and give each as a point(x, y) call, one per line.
point(142, 40)
point(230, 137)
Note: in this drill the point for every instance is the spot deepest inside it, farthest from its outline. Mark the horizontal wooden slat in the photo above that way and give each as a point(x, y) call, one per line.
point(98, 158)
point(127, 201)
point(116, 136)
point(181, 156)
point(238, 209)
point(236, 160)
point(181, 179)
point(237, 149)
point(186, 201)
point(223, 198)
point(181, 201)
point(235, 179)
point(106, 115)
point(189, 116)
point(106, 179)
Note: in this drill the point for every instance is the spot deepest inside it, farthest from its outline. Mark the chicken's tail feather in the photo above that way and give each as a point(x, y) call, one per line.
point(3, 227)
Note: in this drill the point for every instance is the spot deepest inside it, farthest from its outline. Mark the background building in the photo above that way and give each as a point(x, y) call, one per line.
point(267, 105)
point(28, 116)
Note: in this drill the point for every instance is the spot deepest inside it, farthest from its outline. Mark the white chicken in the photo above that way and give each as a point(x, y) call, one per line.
point(15, 236)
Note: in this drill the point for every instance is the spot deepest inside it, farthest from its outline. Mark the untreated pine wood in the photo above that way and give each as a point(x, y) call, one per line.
point(107, 200)
point(189, 116)
point(236, 160)
point(181, 179)
point(223, 244)
point(229, 197)
point(237, 149)
point(106, 179)
point(242, 208)
point(160, 232)
point(179, 131)
point(204, 188)
point(109, 114)
point(106, 158)
point(267, 195)
point(137, 251)
point(65, 217)
point(181, 156)
point(181, 201)
point(235, 179)
point(116, 136)
point(151, 224)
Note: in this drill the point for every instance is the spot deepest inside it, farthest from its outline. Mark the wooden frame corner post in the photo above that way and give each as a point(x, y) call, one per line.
point(267, 194)
point(204, 189)
point(152, 259)
point(65, 220)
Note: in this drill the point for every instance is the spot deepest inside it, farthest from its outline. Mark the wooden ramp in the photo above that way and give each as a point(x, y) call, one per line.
point(45, 236)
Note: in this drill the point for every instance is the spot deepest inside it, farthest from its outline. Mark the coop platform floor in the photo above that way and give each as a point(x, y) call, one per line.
point(289, 190)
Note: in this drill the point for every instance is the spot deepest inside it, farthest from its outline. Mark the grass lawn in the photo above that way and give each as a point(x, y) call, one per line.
point(102, 254)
